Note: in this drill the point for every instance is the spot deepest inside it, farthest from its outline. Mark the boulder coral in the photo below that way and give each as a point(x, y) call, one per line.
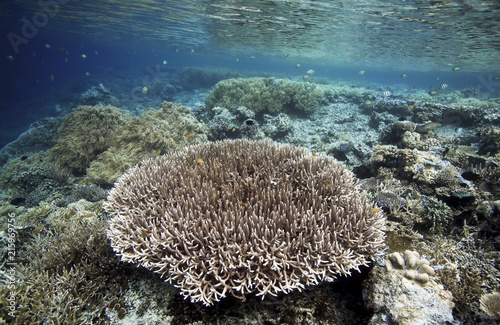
point(238, 216)
point(267, 95)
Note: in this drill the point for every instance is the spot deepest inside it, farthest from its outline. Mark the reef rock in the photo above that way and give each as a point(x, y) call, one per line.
point(403, 292)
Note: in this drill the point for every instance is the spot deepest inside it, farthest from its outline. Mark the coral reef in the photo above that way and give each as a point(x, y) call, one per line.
point(66, 274)
point(98, 95)
point(85, 133)
point(39, 137)
point(154, 132)
point(404, 293)
point(266, 95)
point(236, 217)
point(490, 305)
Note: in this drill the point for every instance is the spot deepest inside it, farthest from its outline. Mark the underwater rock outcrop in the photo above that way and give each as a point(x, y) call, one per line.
point(403, 292)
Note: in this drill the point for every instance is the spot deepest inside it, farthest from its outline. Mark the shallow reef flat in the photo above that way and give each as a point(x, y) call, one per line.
point(424, 165)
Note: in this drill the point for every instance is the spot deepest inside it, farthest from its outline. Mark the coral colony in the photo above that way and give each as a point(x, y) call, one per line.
point(249, 217)
point(259, 199)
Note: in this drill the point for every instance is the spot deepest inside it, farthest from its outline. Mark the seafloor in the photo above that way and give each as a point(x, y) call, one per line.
point(429, 158)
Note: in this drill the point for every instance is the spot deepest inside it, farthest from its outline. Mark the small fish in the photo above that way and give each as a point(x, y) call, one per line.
point(368, 102)
point(66, 60)
point(189, 136)
point(51, 77)
point(47, 46)
point(496, 78)
point(87, 74)
point(283, 92)
point(24, 158)
point(10, 57)
point(308, 87)
point(314, 154)
point(144, 90)
point(165, 62)
point(233, 129)
point(310, 71)
point(276, 83)
point(96, 53)
point(411, 106)
point(455, 69)
point(139, 163)
point(462, 194)
point(297, 66)
point(404, 75)
point(80, 182)
point(145, 234)
point(362, 72)
point(437, 78)
point(199, 161)
point(330, 185)
point(459, 130)
point(37, 229)
point(192, 51)
point(417, 196)
point(345, 147)
point(374, 210)
point(306, 77)
point(252, 57)
point(443, 86)
point(387, 94)
point(432, 93)
point(449, 98)
point(237, 60)
point(429, 126)
point(158, 152)
point(71, 212)
point(84, 56)
point(243, 204)
point(155, 135)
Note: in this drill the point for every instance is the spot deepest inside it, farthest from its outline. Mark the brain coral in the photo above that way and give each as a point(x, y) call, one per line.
point(238, 217)
point(265, 94)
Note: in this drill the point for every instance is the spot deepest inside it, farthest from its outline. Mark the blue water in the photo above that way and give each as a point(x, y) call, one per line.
point(43, 66)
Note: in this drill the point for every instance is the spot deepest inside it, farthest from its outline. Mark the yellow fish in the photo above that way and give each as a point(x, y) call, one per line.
point(314, 154)
point(158, 152)
point(145, 234)
point(37, 229)
point(311, 71)
point(199, 161)
point(155, 135)
point(374, 210)
point(189, 136)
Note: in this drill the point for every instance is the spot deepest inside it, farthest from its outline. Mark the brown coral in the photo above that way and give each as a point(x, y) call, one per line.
point(490, 304)
point(86, 132)
point(236, 217)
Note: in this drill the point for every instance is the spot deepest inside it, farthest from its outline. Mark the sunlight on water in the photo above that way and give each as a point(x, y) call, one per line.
point(428, 33)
